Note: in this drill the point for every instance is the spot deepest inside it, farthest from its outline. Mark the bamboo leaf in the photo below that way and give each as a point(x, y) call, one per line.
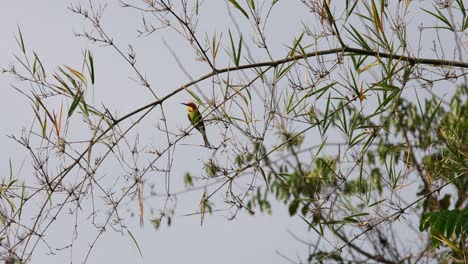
point(236, 5)
point(288, 105)
point(239, 51)
point(349, 10)
point(65, 86)
point(36, 58)
point(135, 242)
point(199, 101)
point(252, 4)
point(377, 22)
point(203, 205)
point(440, 17)
point(21, 41)
point(84, 107)
point(91, 66)
point(78, 74)
point(34, 68)
point(76, 101)
point(370, 65)
point(358, 38)
point(11, 170)
point(296, 44)
point(20, 209)
point(385, 87)
point(431, 118)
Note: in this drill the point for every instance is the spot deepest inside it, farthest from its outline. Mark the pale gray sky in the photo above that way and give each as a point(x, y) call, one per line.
point(48, 27)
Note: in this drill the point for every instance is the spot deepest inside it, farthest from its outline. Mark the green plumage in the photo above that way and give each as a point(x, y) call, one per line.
point(196, 120)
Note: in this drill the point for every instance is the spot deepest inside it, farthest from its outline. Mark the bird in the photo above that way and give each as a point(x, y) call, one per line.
point(196, 120)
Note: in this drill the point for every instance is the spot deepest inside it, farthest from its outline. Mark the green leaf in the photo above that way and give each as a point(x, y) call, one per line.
point(431, 118)
point(239, 51)
point(65, 86)
point(320, 232)
point(76, 101)
point(135, 242)
point(446, 223)
point(199, 101)
point(21, 41)
point(451, 221)
point(34, 68)
point(236, 53)
point(376, 203)
point(385, 87)
point(326, 115)
point(236, 5)
point(349, 10)
point(188, 181)
point(293, 207)
point(78, 74)
point(69, 77)
point(461, 7)
point(442, 18)
point(22, 201)
point(11, 183)
point(288, 105)
point(358, 39)
point(387, 100)
point(11, 170)
point(91, 66)
point(252, 3)
point(84, 107)
point(282, 71)
point(425, 222)
point(36, 58)
point(296, 44)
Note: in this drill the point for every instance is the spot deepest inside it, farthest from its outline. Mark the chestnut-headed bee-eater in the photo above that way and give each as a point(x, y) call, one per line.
point(196, 120)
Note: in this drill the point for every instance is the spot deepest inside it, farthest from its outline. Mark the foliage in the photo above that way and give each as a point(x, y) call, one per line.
point(448, 227)
point(357, 125)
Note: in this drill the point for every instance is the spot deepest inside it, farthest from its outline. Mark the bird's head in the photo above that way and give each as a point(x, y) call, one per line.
point(191, 106)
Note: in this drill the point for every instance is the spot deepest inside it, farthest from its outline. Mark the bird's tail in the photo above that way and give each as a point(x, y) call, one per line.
point(205, 138)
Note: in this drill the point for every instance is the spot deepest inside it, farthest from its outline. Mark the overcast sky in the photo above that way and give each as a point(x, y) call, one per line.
point(48, 28)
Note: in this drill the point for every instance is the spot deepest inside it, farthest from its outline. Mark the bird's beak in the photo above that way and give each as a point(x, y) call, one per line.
point(184, 104)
